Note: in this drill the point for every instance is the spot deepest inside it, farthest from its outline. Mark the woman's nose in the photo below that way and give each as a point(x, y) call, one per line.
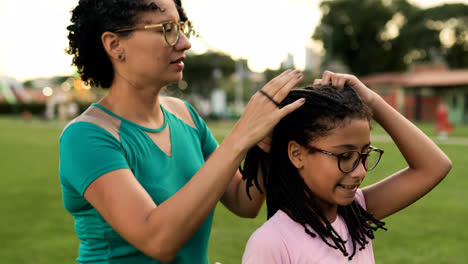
point(183, 43)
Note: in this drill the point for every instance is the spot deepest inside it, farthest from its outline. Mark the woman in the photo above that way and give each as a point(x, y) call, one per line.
point(319, 156)
point(132, 166)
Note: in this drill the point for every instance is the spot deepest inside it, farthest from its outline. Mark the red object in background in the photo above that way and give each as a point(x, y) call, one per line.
point(26, 115)
point(442, 123)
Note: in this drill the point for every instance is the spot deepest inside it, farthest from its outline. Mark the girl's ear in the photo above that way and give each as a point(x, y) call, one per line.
point(296, 154)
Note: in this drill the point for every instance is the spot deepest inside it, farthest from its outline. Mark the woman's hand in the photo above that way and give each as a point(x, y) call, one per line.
point(339, 80)
point(262, 113)
point(265, 143)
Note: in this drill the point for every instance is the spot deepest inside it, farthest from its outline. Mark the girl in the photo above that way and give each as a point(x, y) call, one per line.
point(319, 157)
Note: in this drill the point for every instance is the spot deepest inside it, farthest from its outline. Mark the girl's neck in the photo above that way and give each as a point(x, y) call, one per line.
point(330, 212)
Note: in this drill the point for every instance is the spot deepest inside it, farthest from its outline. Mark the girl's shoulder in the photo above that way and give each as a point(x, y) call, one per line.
point(268, 244)
point(277, 233)
point(360, 199)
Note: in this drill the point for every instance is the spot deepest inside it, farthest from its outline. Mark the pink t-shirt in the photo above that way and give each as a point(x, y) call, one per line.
point(282, 240)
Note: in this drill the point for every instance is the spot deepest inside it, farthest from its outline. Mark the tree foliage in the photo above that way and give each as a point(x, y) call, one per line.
point(438, 34)
point(204, 72)
point(372, 36)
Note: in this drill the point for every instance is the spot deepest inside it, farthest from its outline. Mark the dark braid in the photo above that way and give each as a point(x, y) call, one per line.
point(326, 108)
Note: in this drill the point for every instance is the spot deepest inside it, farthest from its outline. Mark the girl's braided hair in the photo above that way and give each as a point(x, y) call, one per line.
point(325, 109)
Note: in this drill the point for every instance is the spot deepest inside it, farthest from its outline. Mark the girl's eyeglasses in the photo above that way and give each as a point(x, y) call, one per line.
point(349, 160)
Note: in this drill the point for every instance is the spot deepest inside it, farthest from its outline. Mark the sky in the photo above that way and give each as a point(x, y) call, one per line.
point(34, 35)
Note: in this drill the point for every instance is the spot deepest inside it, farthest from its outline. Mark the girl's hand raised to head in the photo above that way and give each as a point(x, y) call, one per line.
point(262, 112)
point(340, 79)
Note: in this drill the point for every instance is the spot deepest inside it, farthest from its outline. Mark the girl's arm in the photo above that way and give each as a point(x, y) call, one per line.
point(160, 231)
point(236, 200)
point(427, 164)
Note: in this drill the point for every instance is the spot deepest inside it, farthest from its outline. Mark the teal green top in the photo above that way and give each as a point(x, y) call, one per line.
point(98, 142)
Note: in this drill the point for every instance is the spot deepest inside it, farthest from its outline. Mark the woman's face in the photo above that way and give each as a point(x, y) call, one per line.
point(147, 55)
point(330, 186)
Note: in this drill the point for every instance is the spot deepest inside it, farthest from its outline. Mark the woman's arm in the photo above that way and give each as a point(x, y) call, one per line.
point(160, 231)
point(427, 164)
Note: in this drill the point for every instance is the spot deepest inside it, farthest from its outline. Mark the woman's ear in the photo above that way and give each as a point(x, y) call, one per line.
point(296, 154)
point(113, 46)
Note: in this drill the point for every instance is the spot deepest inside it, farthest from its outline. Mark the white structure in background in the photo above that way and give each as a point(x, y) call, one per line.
point(12, 90)
point(239, 88)
point(312, 60)
point(288, 63)
point(218, 103)
point(56, 104)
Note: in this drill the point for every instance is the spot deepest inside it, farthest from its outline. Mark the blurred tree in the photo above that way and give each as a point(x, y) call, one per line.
point(372, 36)
point(438, 34)
point(206, 72)
point(28, 83)
point(307, 80)
point(351, 33)
point(272, 73)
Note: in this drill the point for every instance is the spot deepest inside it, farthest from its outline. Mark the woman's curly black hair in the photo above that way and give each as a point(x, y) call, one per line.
point(325, 109)
point(90, 19)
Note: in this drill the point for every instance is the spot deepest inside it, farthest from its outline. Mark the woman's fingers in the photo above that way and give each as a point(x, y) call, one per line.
point(270, 86)
point(278, 88)
point(290, 108)
point(287, 87)
point(262, 112)
point(276, 84)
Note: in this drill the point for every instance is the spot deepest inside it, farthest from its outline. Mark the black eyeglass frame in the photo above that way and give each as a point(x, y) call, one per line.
point(362, 157)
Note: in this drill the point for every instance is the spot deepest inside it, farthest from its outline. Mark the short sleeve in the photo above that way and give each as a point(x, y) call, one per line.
point(360, 198)
point(209, 143)
point(88, 151)
point(266, 246)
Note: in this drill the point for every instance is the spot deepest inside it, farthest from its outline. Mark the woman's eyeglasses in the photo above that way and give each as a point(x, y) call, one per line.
point(171, 30)
point(349, 160)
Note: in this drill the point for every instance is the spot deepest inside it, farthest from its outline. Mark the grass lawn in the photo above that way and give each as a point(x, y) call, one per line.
point(35, 228)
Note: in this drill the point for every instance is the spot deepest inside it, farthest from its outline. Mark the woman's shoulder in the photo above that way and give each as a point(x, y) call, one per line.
point(179, 108)
point(93, 120)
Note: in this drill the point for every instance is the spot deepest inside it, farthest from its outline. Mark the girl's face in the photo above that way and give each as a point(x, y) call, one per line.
point(147, 54)
point(320, 171)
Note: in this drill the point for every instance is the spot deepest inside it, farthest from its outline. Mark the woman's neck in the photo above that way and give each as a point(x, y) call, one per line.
point(136, 103)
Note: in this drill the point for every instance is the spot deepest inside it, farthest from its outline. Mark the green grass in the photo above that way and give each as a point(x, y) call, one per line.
point(428, 129)
point(35, 228)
